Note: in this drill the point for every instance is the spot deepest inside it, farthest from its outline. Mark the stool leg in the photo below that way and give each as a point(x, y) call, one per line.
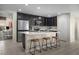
point(59, 43)
point(46, 44)
point(34, 47)
point(40, 46)
point(56, 43)
point(43, 45)
point(30, 47)
point(50, 43)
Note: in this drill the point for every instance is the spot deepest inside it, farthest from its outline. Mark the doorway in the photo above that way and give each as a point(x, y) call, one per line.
point(6, 28)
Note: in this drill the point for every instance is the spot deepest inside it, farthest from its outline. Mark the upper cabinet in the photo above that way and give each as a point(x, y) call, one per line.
point(19, 16)
point(22, 16)
point(55, 21)
point(52, 21)
point(38, 20)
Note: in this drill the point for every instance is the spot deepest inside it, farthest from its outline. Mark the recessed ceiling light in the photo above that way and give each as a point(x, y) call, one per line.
point(58, 13)
point(19, 10)
point(26, 4)
point(38, 8)
point(49, 15)
point(39, 17)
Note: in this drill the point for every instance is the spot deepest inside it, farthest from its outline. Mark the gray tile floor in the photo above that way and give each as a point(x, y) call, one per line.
point(10, 47)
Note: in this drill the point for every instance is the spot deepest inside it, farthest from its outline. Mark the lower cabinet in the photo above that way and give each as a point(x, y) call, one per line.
point(21, 38)
point(23, 41)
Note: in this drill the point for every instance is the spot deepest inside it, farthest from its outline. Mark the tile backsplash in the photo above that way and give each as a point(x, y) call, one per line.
point(44, 28)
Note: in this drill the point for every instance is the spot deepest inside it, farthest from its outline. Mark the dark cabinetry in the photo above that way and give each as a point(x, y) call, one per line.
point(52, 21)
point(22, 16)
point(19, 16)
point(21, 37)
point(23, 41)
point(49, 22)
point(39, 21)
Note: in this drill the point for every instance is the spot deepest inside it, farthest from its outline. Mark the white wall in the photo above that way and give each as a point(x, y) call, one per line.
point(63, 25)
point(74, 29)
point(14, 26)
point(74, 26)
point(13, 15)
point(77, 29)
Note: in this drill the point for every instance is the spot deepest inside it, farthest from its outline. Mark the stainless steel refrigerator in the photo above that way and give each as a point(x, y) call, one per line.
point(23, 26)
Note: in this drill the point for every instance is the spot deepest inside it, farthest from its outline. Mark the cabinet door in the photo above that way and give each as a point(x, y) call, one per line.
point(19, 16)
point(55, 21)
point(49, 22)
point(44, 22)
point(20, 37)
point(20, 24)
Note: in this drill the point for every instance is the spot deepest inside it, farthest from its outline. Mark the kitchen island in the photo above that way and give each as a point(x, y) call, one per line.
point(34, 35)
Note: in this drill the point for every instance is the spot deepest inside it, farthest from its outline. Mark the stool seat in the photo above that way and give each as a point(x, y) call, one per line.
point(54, 37)
point(46, 38)
point(34, 40)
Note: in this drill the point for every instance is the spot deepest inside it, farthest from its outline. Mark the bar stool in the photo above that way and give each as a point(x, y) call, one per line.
point(56, 41)
point(46, 43)
point(34, 41)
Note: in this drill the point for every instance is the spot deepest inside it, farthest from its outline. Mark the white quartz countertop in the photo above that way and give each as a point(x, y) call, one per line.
point(30, 33)
point(39, 34)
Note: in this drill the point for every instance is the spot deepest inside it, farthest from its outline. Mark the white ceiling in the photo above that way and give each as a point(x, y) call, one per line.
point(45, 9)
